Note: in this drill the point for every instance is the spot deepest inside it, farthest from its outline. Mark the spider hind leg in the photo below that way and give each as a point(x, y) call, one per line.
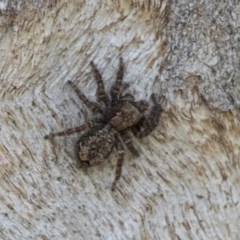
point(120, 161)
point(129, 144)
point(70, 131)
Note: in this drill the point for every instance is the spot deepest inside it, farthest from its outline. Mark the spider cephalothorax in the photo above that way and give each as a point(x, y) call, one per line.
point(120, 114)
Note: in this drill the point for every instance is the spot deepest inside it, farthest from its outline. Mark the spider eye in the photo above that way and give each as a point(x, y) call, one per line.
point(127, 97)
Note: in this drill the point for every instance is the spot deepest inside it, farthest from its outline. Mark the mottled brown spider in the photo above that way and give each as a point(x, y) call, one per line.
point(120, 114)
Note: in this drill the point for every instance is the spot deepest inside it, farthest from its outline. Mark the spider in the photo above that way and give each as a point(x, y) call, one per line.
point(119, 114)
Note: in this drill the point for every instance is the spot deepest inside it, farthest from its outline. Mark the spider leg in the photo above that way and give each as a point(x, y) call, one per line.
point(148, 123)
point(91, 105)
point(102, 96)
point(124, 87)
point(129, 144)
point(120, 160)
point(70, 131)
point(116, 88)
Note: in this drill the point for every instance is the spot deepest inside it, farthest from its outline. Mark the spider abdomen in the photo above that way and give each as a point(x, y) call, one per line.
point(95, 146)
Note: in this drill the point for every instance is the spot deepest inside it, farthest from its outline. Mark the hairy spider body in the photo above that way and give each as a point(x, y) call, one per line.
point(119, 114)
point(127, 116)
point(95, 146)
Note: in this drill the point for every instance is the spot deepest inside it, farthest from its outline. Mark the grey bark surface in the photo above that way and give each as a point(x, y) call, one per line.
point(184, 185)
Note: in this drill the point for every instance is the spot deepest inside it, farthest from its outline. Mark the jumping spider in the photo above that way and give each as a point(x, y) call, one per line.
point(119, 113)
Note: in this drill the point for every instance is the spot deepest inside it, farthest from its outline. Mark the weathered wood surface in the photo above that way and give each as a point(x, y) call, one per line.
point(185, 184)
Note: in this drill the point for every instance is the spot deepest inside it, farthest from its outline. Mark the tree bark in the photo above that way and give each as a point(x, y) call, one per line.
point(184, 184)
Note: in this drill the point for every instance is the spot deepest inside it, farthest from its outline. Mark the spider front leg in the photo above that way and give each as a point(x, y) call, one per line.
point(91, 105)
point(120, 160)
point(117, 87)
point(70, 130)
point(102, 96)
point(148, 123)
